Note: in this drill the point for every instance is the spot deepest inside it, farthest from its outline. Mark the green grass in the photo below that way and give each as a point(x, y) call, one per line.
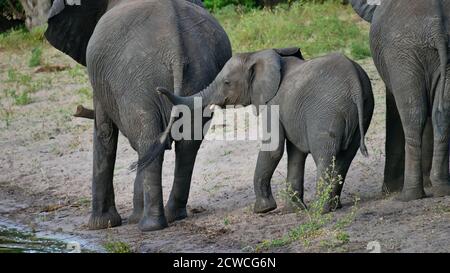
point(21, 38)
point(85, 92)
point(317, 224)
point(117, 247)
point(20, 78)
point(316, 29)
point(36, 57)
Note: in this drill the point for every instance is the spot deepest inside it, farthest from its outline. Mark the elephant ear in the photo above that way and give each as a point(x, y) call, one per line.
point(265, 76)
point(289, 52)
point(70, 26)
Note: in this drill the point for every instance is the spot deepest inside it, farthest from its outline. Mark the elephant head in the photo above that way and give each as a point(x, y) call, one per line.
point(71, 24)
point(247, 78)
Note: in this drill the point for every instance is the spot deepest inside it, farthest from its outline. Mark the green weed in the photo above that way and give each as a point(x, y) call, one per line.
point(21, 38)
point(117, 247)
point(36, 57)
point(317, 223)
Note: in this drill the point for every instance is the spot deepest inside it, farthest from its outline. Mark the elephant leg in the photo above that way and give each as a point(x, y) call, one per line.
point(394, 167)
point(324, 163)
point(343, 161)
point(413, 113)
point(440, 172)
point(266, 164)
point(153, 217)
point(185, 154)
point(295, 177)
point(104, 213)
point(427, 152)
point(138, 200)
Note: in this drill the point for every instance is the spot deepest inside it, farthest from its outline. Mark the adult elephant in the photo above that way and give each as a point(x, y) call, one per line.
point(130, 48)
point(409, 43)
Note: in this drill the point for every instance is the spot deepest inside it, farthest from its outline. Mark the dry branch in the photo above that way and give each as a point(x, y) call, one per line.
point(84, 112)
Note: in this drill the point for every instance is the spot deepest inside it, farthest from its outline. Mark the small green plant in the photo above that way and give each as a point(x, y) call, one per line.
point(6, 115)
point(19, 99)
point(85, 92)
point(317, 223)
point(117, 247)
point(360, 50)
point(16, 77)
point(226, 221)
point(78, 73)
point(342, 237)
point(36, 57)
point(12, 75)
point(22, 99)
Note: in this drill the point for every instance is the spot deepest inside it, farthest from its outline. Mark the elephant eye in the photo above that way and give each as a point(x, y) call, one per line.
point(227, 82)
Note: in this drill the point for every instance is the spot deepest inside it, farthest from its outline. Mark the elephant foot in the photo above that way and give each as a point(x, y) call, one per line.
point(135, 217)
point(105, 220)
point(389, 188)
point(441, 190)
point(411, 194)
point(264, 205)
point(175, 214)
point(427, 181)
point(152, 223)
point(293, 206)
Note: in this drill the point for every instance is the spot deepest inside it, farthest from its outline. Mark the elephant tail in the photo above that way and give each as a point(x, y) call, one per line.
point(362, 146)
point(441, 44)
point(358, 99)
point(443, 58)
point(155, 149)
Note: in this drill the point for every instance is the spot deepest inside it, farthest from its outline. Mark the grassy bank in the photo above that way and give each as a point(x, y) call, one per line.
point(316, 28)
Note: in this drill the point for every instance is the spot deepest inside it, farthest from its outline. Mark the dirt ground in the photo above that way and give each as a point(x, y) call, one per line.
point(45, 180)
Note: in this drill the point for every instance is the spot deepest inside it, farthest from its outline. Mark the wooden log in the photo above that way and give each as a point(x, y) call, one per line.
point(84, 112)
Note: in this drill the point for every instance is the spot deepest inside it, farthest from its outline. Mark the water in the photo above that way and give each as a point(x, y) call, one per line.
point(19, 239)
point(16, 241)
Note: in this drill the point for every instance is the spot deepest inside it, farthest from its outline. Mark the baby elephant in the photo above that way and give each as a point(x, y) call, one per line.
point(325, 108)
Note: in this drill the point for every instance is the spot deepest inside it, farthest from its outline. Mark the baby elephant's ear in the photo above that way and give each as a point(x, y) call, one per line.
point(265, 76)
point(289, 52)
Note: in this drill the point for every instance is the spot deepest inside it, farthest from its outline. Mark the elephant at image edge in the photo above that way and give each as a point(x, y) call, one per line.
point(409, 43)
point(326, 105)
point(129, 48)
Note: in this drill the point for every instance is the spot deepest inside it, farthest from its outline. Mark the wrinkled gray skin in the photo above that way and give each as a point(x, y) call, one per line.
point(409, 43)
point(326, 106)
point(136, 46)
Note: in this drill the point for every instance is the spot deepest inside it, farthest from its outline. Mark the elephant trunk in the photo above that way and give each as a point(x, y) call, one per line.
point(207, 97)
point(365, 8)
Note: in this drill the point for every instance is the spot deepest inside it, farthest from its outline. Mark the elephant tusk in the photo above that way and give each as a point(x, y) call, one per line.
point(212, 107)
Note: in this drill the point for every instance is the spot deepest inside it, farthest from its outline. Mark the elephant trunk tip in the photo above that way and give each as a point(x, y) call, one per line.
point(171, 96)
